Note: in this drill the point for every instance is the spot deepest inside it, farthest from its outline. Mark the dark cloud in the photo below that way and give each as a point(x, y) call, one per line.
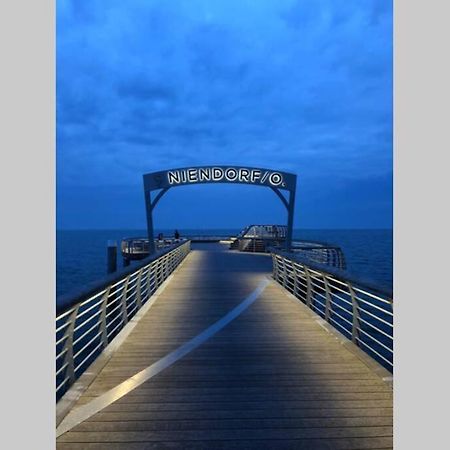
point(144, 85)
point(142, 89)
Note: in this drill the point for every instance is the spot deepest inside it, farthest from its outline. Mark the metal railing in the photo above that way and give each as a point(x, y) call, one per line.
point(139, 248)
point(264, 231)
point(208, 238)
point(321, 253)
point(361, 312)
point(88, 321)
point(316, 252)
point(256, 244)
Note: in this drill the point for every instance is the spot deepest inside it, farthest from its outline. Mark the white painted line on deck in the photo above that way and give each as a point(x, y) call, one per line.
point(86, 411)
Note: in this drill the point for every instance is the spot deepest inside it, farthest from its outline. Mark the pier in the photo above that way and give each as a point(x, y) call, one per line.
point(223, 356)
point(257, 342)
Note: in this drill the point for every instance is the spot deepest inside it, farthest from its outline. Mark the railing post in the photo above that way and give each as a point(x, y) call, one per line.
point(274, 267)
point(159, 270)
point(103, 317)
point(163, 270)
point(173, 258)
point(123, 301)
point(170, 261)
point(355, 314)
point(295, 287)
point(278, 268)
point(284, 272)
point(151, 271)
point(158, 273)
point(165, 267)
point(138, 289)
point(308, 286)
point(68, 345)
point(328, 298)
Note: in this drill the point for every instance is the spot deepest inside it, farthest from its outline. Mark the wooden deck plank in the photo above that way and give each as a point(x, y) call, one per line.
point(259, 414)
point(272, 378)
point(377, 443)
point(228, 434)
point(234, 424)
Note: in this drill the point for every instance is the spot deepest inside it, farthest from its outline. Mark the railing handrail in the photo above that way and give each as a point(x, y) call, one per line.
point(341, 275)
point(99, 312)
point(67, 301)
point(318, 245)
point(360, 313)
point(261, 238)
point(321, 244)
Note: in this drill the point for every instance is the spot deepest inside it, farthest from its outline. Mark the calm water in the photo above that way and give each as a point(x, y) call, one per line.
point(81, 254)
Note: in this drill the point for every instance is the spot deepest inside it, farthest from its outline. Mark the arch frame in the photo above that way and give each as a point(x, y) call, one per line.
point(164, 180)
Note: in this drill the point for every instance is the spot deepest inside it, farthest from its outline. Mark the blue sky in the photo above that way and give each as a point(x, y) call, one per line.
point(296, 85)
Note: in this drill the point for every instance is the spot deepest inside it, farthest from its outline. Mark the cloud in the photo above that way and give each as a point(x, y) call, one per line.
point(146, 85)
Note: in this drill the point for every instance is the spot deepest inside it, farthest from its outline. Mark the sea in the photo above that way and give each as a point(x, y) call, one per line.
point(81, 254)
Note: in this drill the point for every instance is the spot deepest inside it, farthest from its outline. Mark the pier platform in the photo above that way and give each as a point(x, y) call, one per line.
point(225, 358)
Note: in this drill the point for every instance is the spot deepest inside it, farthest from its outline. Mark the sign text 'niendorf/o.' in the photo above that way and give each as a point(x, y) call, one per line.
point(208, 174)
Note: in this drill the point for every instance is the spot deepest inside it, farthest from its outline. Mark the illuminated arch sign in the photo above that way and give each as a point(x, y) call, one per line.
point(219, 174)
point(274, 179)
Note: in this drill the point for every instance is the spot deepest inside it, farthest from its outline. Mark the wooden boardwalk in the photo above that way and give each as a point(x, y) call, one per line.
point(273, 378)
